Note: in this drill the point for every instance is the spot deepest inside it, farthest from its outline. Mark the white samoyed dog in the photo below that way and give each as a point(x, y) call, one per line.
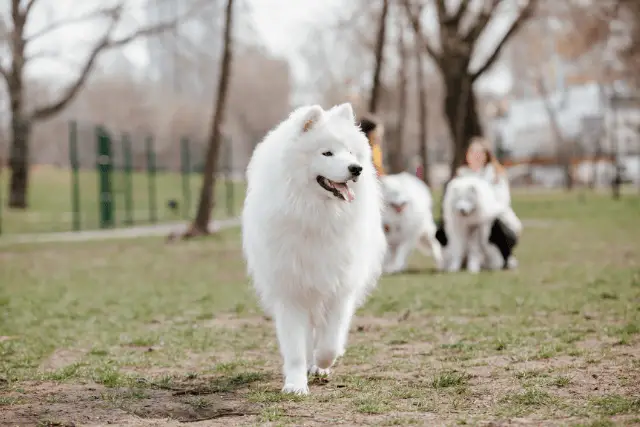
point(312, 235)
point(408, 220)
point(469, 209)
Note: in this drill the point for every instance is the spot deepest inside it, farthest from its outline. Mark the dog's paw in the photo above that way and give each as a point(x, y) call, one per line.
point(473, 267)
point(452, 268)
point(319, 372)
point(297, 389)
point(512, 263)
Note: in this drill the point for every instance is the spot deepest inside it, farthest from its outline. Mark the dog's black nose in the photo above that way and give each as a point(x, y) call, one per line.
point(355, 170)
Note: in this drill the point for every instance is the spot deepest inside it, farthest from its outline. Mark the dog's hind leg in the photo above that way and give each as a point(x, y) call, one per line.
point(332, 335)
point(399, 262)
point(293, 327)
point(429, 245)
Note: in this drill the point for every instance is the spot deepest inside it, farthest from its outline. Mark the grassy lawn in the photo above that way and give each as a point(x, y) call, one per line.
point(141, 332)
point(50, 200)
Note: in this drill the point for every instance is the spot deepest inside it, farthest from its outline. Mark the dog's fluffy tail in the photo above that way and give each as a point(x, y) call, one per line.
point(428, 244)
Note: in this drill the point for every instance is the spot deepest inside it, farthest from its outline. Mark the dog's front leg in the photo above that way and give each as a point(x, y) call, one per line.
point(389, 258)
point(293, 328)
point(399, 261)
point(455, 251)
point(332, 334)
point(475, 252)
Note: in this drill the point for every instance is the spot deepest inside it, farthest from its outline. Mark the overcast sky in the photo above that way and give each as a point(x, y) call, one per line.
point(282, 25)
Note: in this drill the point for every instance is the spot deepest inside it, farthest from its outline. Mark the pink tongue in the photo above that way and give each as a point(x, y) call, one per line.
point(346, 192)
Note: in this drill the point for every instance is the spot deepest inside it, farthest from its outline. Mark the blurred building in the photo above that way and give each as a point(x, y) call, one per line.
point(583, 83)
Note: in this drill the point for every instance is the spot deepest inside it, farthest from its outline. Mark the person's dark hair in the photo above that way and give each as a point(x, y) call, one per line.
point(367, 125)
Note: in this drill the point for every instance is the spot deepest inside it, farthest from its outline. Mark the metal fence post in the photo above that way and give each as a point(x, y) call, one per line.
point(104, 166)
point(128, 183)
point(151, 174)
point(75, 178)
point(185, 157)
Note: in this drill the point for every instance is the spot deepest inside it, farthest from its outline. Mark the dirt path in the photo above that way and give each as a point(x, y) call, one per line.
point(114, 233)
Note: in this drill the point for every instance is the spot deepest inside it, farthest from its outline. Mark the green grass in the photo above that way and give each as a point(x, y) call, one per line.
point(140, 329)
point(50, 200)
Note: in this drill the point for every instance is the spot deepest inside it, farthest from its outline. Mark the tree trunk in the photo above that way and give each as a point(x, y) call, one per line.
point(20, 122)
point(564, 151)
point(462, 115)
point(596, 158)
point(375, 87)
point(422, 118)
point(19, 161)
point(206, 204)
point(397, 163)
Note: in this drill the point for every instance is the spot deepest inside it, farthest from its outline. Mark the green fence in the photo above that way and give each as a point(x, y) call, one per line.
point(112, 179)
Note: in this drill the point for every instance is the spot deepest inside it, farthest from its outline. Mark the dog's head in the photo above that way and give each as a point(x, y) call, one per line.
point(395, 195)
point(333, 151)
point(465, 199)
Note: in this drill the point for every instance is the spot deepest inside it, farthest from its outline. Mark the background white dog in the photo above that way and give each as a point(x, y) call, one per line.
point(469, 209)
point(311, 234)
point(408, 220)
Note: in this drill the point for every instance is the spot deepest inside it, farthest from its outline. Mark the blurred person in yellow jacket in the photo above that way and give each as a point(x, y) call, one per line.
point(374, 132)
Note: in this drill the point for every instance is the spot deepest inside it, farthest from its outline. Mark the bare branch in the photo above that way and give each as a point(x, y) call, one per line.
point(459, 14)
point(54, 56)
point(525, 14)
point(29, 6)
point(104, 44)
point(4, 73)
point(101, 13)
point(481, 22)
point(442, 12)
point(414, 18)
point(4, 38)
point(74, 88)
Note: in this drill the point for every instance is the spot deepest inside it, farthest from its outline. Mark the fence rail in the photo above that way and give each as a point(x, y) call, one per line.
point(117, 180)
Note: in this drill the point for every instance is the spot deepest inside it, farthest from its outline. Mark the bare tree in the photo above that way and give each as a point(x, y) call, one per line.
point(200, 225)
point(422, 112)
point(22, 119)
point(379, 61)
point(563, 147)
point(631, 53)
point(397, 158)
point(459, 32)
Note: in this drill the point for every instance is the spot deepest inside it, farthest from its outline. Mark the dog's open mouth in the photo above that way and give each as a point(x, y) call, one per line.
point(339, 189)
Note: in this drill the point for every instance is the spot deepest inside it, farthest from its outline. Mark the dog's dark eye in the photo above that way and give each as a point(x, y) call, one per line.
point(327, 154)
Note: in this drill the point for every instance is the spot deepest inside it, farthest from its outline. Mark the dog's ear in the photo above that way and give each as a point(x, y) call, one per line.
point(344, 110)
point(311, 117)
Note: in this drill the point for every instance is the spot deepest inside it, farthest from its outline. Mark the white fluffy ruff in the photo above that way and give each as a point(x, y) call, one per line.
point(300, 245)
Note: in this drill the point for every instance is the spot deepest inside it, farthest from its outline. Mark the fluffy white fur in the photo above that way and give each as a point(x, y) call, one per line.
point(502, 193)
point(313, 255)
point(469, 209)
point(408, 220)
